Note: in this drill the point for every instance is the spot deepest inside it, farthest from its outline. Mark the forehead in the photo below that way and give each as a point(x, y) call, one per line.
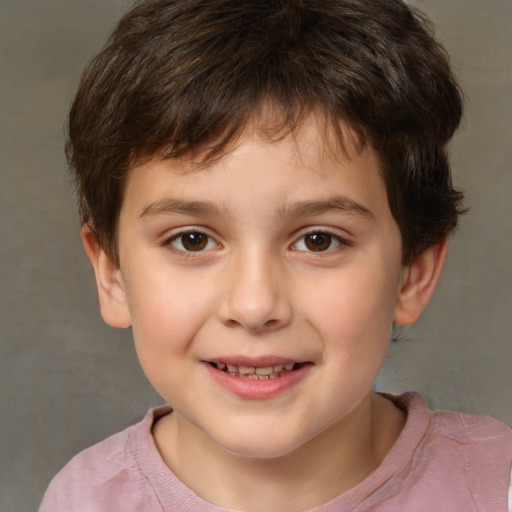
point(312, 165)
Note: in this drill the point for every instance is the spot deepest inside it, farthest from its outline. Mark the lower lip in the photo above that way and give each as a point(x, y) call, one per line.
point(256, 389)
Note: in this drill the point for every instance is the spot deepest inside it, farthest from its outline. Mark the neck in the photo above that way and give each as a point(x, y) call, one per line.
point(333, 462)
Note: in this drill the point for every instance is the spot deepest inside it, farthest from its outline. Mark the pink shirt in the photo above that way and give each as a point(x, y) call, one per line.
point(442, 462)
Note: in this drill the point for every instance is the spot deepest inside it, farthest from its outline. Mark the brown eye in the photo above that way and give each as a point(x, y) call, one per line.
point(318, 242)
point(192, 241)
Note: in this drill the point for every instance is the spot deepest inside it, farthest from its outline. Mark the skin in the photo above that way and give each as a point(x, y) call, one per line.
point(255, 290)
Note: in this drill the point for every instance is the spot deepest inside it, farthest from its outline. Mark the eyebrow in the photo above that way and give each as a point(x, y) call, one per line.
point(338, 203)
point(173, 206)
point(302, 208)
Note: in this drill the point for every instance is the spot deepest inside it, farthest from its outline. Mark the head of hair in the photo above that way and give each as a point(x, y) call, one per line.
point(182, 77)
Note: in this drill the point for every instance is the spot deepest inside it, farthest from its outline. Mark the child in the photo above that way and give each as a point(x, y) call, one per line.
point(264, 192)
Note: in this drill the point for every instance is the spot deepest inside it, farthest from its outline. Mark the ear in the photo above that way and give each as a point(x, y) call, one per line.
point(420, 279)
point(111, 290)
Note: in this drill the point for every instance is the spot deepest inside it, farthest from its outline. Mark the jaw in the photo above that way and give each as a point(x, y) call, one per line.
point(300, 472)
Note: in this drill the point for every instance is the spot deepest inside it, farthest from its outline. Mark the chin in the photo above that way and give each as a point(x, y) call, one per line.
point(260, 444)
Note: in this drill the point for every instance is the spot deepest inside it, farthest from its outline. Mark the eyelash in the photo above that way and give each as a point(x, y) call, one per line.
point(332, 238)
point(169, 242)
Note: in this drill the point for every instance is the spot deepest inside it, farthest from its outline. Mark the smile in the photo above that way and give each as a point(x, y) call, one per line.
point(256, 372)
point(257, 379)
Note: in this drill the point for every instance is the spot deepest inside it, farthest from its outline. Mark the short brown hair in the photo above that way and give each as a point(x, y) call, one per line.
point(181, 76)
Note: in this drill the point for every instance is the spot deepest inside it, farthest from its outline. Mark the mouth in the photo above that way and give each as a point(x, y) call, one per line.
point(267, 372)
point(260, 378)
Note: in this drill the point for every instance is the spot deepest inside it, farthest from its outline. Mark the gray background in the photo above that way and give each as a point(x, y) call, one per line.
point(68, 381)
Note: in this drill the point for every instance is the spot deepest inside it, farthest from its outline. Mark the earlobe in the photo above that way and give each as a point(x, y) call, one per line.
point(419, 283)
point(111, 291)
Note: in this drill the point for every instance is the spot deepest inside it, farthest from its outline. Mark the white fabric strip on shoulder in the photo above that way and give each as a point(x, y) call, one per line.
point(510, 493)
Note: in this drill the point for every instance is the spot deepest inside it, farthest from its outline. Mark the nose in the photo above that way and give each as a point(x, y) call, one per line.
point(255, 295)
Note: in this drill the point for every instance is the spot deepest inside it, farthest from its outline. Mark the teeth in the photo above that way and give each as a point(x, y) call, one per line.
point(264, 370)
point(251, 372)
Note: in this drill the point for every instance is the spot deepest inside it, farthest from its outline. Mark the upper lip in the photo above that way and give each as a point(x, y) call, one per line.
point(263, 361)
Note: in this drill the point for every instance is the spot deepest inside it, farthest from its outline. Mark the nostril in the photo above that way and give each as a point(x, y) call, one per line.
point(254, 326)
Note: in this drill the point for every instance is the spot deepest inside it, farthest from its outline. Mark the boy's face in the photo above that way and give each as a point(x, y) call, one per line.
point(279, 254)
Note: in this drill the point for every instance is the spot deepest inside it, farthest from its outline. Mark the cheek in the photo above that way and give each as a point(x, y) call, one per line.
point(166, 312)
point(352, 302)
point(353, 313)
